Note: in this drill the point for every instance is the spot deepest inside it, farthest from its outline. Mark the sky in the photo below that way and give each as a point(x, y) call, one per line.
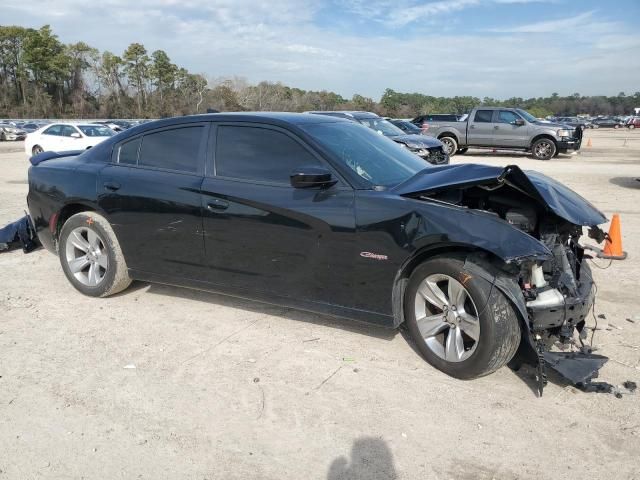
point(494, 48)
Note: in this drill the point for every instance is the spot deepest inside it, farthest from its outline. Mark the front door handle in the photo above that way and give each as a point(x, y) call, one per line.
point(495, 127)
point(113, 186)
point(218, 204)
point(472, 127)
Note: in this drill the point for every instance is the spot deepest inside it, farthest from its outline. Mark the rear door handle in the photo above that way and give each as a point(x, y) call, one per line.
point(113, 186)
point(218, 204)
point(472, 127)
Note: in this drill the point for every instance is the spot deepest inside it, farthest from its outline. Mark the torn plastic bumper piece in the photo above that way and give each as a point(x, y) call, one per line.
point(579, 368)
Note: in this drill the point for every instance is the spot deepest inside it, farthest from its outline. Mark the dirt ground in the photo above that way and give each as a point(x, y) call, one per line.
point(160, 382)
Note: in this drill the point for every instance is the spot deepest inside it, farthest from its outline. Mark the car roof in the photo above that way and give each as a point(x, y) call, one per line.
point(345, 113)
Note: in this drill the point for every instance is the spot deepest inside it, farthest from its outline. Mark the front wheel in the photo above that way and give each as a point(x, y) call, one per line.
point(544, 149)
point(632, 126)
point(91, 257)
point(450, 145)
point(461, 324)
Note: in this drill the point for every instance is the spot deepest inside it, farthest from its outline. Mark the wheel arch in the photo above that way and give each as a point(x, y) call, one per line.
point(491, 263)
point(448, 133)
point(541, 136)
point(70, 209)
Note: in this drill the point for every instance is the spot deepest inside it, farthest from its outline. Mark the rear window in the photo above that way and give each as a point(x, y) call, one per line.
point(483, 116)
point(175, 149)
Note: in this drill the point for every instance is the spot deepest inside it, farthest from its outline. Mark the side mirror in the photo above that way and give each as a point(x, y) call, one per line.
point(75, 135)
point(519, 122)
point(312, 177)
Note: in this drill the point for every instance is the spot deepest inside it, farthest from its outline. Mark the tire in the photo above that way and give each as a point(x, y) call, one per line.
point(632, 126)
point(91, 257)
point(596, 126)
point(496, 327)
point(462, 151)
point(450, 145)
point(3, 137)
point(37, 149)
point(616, 126)
point(544, 149)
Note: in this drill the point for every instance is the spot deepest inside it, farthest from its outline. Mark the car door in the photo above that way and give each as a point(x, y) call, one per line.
point(481, 129)
point(508, 133)
point(68, 141)
point(51, 138)
point(151, 193)
point(264, 236)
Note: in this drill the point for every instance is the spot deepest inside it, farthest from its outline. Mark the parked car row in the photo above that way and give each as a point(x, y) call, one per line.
point(9, 132)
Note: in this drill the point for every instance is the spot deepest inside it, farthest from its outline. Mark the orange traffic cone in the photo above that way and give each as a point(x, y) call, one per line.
point(613, 243)
point(589, 143)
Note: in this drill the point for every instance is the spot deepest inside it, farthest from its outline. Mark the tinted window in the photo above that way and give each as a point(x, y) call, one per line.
point(68, 130)
point(53, 130)
point(505, 116)
point(373, 157)
point(173, 149)
point(258, 154)
point(128, 152)
point(96, 131)
point(483, 116)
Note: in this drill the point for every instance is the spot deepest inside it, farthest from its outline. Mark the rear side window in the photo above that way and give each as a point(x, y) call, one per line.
point(128, 152)
point(483, 116)
point(253, 153)
point(175, 149)
point(68, 130)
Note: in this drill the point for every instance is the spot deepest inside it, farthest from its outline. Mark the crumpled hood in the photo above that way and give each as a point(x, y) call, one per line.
point(417, 141)
point(552, 194)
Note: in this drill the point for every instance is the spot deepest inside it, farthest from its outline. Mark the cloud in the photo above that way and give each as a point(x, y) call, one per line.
point(283, 40)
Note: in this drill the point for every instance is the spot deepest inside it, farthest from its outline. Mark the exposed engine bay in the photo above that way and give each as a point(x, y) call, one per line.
point(559, 292)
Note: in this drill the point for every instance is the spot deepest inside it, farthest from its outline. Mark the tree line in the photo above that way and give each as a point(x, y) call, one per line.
point(41, 77)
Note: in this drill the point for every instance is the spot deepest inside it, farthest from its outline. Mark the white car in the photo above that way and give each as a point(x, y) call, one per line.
point(62, 137)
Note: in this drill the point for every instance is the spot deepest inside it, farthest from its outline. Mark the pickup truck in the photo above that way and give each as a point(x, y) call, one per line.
point(505, 128)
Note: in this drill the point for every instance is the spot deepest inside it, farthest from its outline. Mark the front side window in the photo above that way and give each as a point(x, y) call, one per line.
point(253, 153)
point(53, 130)
point(483, 116)
point(68, 130)
point(505, 116)
point(175, 149)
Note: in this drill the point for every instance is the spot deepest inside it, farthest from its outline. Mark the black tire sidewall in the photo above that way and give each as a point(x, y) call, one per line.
point(483, 295)
point(83, 220)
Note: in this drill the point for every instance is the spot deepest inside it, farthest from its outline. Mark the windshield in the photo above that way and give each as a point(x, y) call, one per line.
point(377, 159)
point(527, 116)
point(381, 126)
point(409, 127)
point(96, 131)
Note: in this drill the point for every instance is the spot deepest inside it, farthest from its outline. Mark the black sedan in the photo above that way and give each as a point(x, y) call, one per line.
point(324, 214)
point(607, 123)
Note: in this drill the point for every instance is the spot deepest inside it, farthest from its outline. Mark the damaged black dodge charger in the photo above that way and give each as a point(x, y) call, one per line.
point(325, 215)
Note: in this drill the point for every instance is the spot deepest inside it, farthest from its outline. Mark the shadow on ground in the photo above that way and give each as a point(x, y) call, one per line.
point(370, 458)
point(267, 309)
point(626, 182)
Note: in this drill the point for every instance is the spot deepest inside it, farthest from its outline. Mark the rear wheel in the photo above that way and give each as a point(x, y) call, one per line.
point(616, 126)
point(37, 149)
point(632, 126)
point(461, 324)
point(544, 149)
point(91, 257)
point(3, 137)
point(450, 145)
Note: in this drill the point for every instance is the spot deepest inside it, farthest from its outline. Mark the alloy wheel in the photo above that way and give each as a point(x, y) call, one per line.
point(86, 256)
point(447, 318)
point(543, 149)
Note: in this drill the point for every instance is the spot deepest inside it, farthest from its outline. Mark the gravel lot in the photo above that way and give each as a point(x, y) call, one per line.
point(223, 388)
